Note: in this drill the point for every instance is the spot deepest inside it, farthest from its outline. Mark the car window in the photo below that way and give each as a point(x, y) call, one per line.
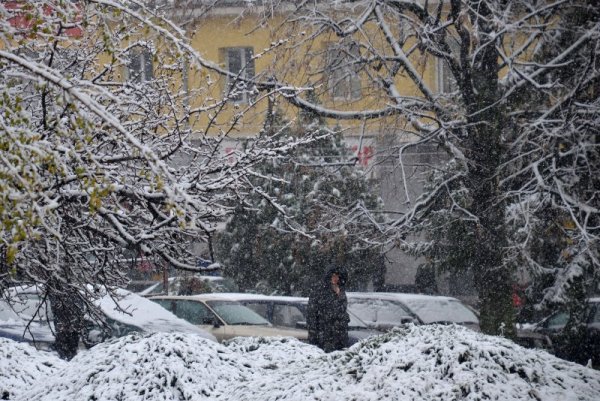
point(236, 313)
point(378, 310)
point(120, 329)
point(557, 320)
point(193, 312)
point(259, 307)
point(287, 315)
point(355, 322)
point(441, 310)
point(168, 304)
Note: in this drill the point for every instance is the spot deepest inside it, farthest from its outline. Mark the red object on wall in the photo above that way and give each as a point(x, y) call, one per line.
point(23, 19)
point(364, 154)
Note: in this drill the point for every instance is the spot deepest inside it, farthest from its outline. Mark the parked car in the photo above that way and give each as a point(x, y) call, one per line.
point(191, 285)
point(581, 349)
point(133, 313)
point(19, 329)
point(384, 310)
point(291, 312)
point(224, 317)
point(530, 339)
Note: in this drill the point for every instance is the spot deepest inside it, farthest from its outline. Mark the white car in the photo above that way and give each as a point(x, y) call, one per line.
point(385, 310)
point(125, 313)
point(224, 317)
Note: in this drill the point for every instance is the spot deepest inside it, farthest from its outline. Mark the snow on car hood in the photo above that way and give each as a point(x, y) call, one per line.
point(138, 311)
point(431, 362)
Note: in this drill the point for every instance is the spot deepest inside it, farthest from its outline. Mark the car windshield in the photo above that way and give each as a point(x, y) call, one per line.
point(235, 313)
point(441, 310)
point(380, 311)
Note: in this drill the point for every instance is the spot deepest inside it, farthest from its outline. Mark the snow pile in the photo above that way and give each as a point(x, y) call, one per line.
point(451, 362)
point(272, 352)
point(428, 363)
point(412, 363)
point(21, 365)
point(156, 366)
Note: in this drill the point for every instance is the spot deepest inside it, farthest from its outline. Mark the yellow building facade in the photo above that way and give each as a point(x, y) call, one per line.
point(246, 42)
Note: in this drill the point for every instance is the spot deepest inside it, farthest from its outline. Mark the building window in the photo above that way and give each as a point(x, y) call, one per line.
point(341, 71)
point(140, 68)
point(446, 81)
point(239, 62)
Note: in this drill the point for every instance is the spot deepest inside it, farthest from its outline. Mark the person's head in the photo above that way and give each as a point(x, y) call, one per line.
point(336, 276)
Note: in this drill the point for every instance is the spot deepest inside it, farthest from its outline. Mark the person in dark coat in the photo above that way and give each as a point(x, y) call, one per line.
point(327, 318)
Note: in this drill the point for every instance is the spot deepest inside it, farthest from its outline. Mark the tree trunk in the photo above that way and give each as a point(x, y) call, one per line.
point(484, 151)
point(68, 314)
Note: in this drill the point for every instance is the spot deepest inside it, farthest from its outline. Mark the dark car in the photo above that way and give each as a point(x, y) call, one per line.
point(291, 312)
point(576, 347)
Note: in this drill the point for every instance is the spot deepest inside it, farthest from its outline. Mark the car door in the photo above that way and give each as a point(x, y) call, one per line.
point(196, 313)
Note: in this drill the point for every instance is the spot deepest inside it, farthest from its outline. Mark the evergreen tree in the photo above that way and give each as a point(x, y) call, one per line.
point(307, 219)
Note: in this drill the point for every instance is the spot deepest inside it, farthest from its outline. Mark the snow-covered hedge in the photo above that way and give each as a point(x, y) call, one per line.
point(413, 363)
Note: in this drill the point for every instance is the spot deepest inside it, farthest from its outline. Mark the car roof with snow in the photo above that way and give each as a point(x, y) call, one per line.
point(240, 296)
point(212, 296)
point(401, 296)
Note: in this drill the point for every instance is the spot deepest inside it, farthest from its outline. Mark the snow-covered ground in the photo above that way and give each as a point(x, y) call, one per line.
point(411, 363)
